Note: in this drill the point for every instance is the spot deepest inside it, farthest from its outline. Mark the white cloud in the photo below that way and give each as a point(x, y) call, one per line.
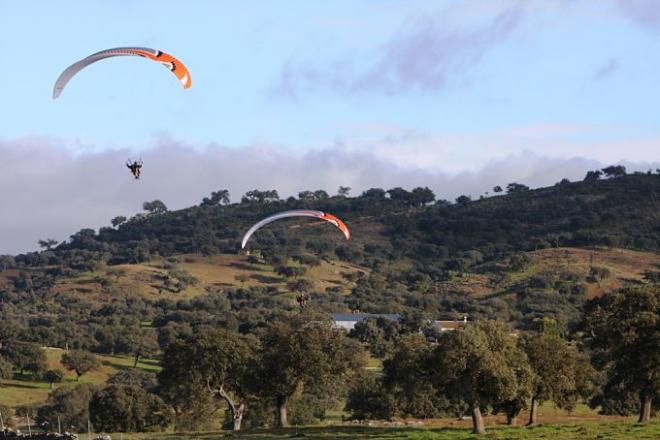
point(52, 191)
point(459, 152)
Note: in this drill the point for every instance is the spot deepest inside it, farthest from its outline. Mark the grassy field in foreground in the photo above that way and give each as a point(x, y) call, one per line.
point(583, 431)
point(20, 391)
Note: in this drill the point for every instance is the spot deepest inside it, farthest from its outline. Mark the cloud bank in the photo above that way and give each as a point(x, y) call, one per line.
point(52, 191)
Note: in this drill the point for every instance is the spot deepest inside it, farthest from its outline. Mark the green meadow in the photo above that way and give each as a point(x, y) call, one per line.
point(22, 390)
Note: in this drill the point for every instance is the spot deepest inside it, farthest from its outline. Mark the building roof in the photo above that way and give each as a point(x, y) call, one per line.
point(447, 325)
point(355, 317)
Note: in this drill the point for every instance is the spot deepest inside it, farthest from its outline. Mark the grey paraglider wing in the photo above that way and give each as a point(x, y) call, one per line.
point(278, 216)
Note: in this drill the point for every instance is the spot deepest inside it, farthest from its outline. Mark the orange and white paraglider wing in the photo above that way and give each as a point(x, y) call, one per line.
point(172, 63)
point(296, 213)
point(339, 223)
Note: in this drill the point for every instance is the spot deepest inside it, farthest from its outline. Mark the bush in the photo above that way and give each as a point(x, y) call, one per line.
point(128, 408)
point(134, 377)
point(53, 376)
point(308, 409)
point(368, 399)
point(521, 261)
point(70, 404)
point(5, 369)
point(652, 276)
point(307, 260)
point(349, 254)
point(597, 274)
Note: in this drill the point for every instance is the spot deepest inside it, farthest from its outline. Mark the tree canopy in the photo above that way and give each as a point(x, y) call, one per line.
point(624, 331)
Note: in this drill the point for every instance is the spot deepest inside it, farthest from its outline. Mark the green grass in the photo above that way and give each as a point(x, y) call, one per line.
point(24, 391)
point(583, 431)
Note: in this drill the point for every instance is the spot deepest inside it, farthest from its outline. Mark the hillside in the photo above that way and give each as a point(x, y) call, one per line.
point(211, 274)
point(500, 278)
point(148, 280)
point(522, 256)
point(619, 212)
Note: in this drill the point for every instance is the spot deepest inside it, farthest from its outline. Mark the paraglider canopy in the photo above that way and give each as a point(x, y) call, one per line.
point(167, 60)
point(297, 213)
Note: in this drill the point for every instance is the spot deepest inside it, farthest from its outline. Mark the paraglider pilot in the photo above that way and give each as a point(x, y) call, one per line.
point(135, 167)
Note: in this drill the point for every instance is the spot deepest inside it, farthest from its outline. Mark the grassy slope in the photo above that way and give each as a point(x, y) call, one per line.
point(220, 271)
point(625, 267)
point(24, 392)
point(213, 274)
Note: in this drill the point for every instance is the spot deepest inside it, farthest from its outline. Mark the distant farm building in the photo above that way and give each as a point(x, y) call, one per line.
point(445, 326)
point(348, 320)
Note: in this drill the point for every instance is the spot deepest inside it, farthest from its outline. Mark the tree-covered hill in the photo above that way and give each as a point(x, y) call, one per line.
point(622, 211)
point(511, 256)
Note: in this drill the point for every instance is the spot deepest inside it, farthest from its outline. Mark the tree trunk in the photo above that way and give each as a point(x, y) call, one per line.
point(236, 411)
point(137, 356)
point(477, 421)
point(51, 385)
point(281, 412)
point(511, 419)
point(646, 401)
point(238, 417)
point(532, 411)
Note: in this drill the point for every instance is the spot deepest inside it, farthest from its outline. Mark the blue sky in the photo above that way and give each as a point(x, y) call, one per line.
point(460, 94)
point(235, 51)
point(590, 66)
